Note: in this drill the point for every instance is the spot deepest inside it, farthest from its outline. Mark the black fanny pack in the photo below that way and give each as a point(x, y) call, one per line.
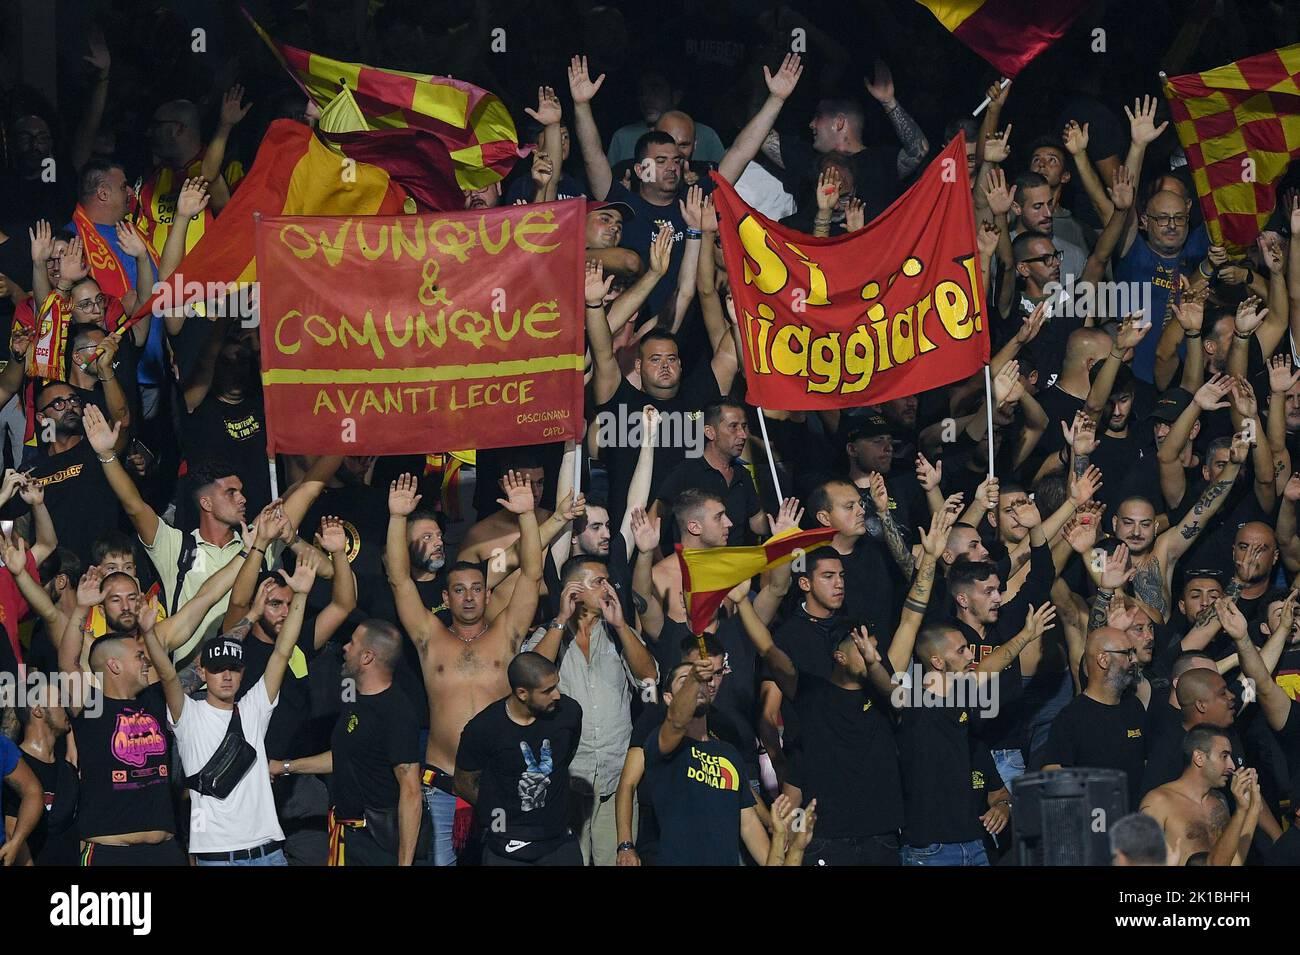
point(227, 766)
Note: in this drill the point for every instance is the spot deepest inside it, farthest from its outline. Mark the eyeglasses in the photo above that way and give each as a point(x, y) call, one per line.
point(1130, 652)
point(62, 402)
point(1056, 256)
point(87, 304)
point(1167, 220)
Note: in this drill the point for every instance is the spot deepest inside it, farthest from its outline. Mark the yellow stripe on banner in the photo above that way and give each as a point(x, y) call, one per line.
point(1290, 57)
point(325, 70)
point(952, 13)
point(389, 376)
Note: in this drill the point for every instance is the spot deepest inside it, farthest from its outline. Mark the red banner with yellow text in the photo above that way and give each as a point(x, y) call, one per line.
point(424, 333)
point(893, 309)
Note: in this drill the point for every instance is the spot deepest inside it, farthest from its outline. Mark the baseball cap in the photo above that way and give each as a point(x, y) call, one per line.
point(867, 426)
point(622, 207)
point(1170, 405)
point(222, 653)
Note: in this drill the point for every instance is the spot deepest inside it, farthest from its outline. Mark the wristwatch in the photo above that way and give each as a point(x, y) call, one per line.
point(285, 768)
point(626, 847)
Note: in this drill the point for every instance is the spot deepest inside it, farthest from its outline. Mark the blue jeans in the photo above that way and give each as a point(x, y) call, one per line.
point(945, 853)
point(1010, 764)
point(272, 858)
point(442, 810)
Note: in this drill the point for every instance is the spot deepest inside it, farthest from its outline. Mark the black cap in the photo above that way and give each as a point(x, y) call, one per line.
point(624, 209)
point(867, 426)
point(1170, 405)
point(222, 653)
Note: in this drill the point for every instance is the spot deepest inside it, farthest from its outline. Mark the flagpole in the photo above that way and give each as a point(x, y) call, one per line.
point(771, 461)
point(984, 105)
point(275, 479)
point(988, 407)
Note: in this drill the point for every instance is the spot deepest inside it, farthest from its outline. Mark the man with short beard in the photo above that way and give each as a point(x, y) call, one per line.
point(1105, 725)
point(1192, 809)
point(1154, 557)
point(241, 827)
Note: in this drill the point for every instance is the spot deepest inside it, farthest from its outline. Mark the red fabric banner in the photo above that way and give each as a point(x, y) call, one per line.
point(893, 309)
point(416, 334)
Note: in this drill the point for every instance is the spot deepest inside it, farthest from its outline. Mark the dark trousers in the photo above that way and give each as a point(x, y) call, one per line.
point(567, 853)
point(360, 848)
point(853, 850)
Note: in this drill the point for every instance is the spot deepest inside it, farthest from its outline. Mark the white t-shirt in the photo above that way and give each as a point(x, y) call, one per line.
point(246, 818)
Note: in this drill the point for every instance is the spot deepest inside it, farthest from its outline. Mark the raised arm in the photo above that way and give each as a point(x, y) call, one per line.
point(1180, 537)
point(304, 575)
point(915, 145)
point(523, 601)
point(624, 308)
point(682, 709)
point(214, 156)
point(1121, 196)
point(416, 619)
point(750, 139)
point(177, 629)
point(933, 542)
point(783, 671)
point(582, 88)
point(645, 531)
point(1075, 138)
point(1273, 700)
point(161, 662)
point(15, 558)
point(104, 440)
point(303, 494)
point(600, 339)
point(343, 585)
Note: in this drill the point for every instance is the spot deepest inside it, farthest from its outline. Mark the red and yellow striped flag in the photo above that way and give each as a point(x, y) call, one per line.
point(1006, 33)
point(294, 174)
point(708, 573)
point(473, 124)
point(1240, 127)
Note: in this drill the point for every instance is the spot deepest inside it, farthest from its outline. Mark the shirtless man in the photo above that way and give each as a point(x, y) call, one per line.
point(702, 521)
point(1192, 809)
point(1154, 557)
point(465, 664)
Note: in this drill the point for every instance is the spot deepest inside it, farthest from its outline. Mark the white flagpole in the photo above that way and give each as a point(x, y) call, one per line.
point(984, 105)
point(988, 406)
point(771, 461)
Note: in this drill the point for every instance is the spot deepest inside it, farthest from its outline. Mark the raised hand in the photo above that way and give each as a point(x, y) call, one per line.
point(708, 215)
point(866, 645)
point(788, 517)
point(1131, 332)
point(270, 525)
point(997, 147)
point(645, 532)
point(548, 111)
point(1005, 380)
point(1075, 137)
point(1234, 624)
point(1082, 434)
point(610, 606)
point(996, 192)
point(1084, 487)
point(1142, 121)
point(331, 537)
point(1191, 312)
point(1039, 620)
point(782, 84)
point(129, 239)
point(542, 169)
point(986, 239)
point(232, 106)
point(1081, 531)
point(519, 496)
point(1249, 315)
point(1282, 374)
point(1122, 189)
point(261, 597)
point(1270, 251)
point(402, 496)
point(101, 437)
point(649, 426)
point(1243, 398)
point(581, 87)
point(828, 189)
point(99, 57)
point(1240, 447)
point(661, 250)
point(929, 475)
point(1027, 514)
point(41, 237)
point(596, 284)
point(1118, 569)
point(73, 267)
point(879, 492)
point(304, 575)
point(881, 86)
point(90, 591)
point(1032, 323)
point(193, 198)
point(934, 540)
point(1209, 397)
point(31, 491)
point(855, 216)
point(571, 506)
point(14, 551)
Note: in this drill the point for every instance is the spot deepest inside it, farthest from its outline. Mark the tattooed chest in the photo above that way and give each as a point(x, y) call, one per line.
point(1149, 587)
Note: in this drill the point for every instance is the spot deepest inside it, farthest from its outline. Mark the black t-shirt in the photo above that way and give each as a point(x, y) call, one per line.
point(639, 233)
point(373, 734)
point(82, 505)
point(233, 433)
point(935, 749)
point(125, 761)
point(1088, 733)
point(1059, 406)
point(875, 174)
point(739, 496)
point(872, 588)
point(847, 759)
point(285, 737)
point(698, 390)
point(698, 792)
point(525, 770)
point(364, 511)
point(54, 840)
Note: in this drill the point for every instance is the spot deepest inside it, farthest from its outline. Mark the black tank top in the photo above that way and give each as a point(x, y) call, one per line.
point(125, 755)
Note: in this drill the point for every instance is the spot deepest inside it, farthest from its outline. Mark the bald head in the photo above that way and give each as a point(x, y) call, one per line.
point(107, 648)
point(1189, 661)
point(1197, 686)
point(681, 128)
point(1109, 645)
point(1084, 344)
point(384, 641)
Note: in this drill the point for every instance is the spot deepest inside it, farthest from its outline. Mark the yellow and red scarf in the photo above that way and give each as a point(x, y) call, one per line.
point(45, 358)
point(104, 265)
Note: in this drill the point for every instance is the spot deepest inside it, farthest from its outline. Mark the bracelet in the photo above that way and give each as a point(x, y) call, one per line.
point(110, 459)
point(1119, 357)
point(626, 846)
point(694, 234)
point(105, 380)
point(1003, 802)
point(555, 625)
point(597, 305)
point(1190, 335)
point(1103, 594)
point(1242, 338)
point(285, 767)
point(260, 550)
point(1201, 268)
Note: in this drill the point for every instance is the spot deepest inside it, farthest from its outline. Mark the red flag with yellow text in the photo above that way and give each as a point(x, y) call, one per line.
point(893, 309)
point(422, 333)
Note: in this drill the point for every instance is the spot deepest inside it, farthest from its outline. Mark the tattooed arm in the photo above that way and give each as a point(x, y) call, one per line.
point(915, 145)
point(1099, 613)
point(1173, 543)
point(1288, 540)
point(897, 543)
